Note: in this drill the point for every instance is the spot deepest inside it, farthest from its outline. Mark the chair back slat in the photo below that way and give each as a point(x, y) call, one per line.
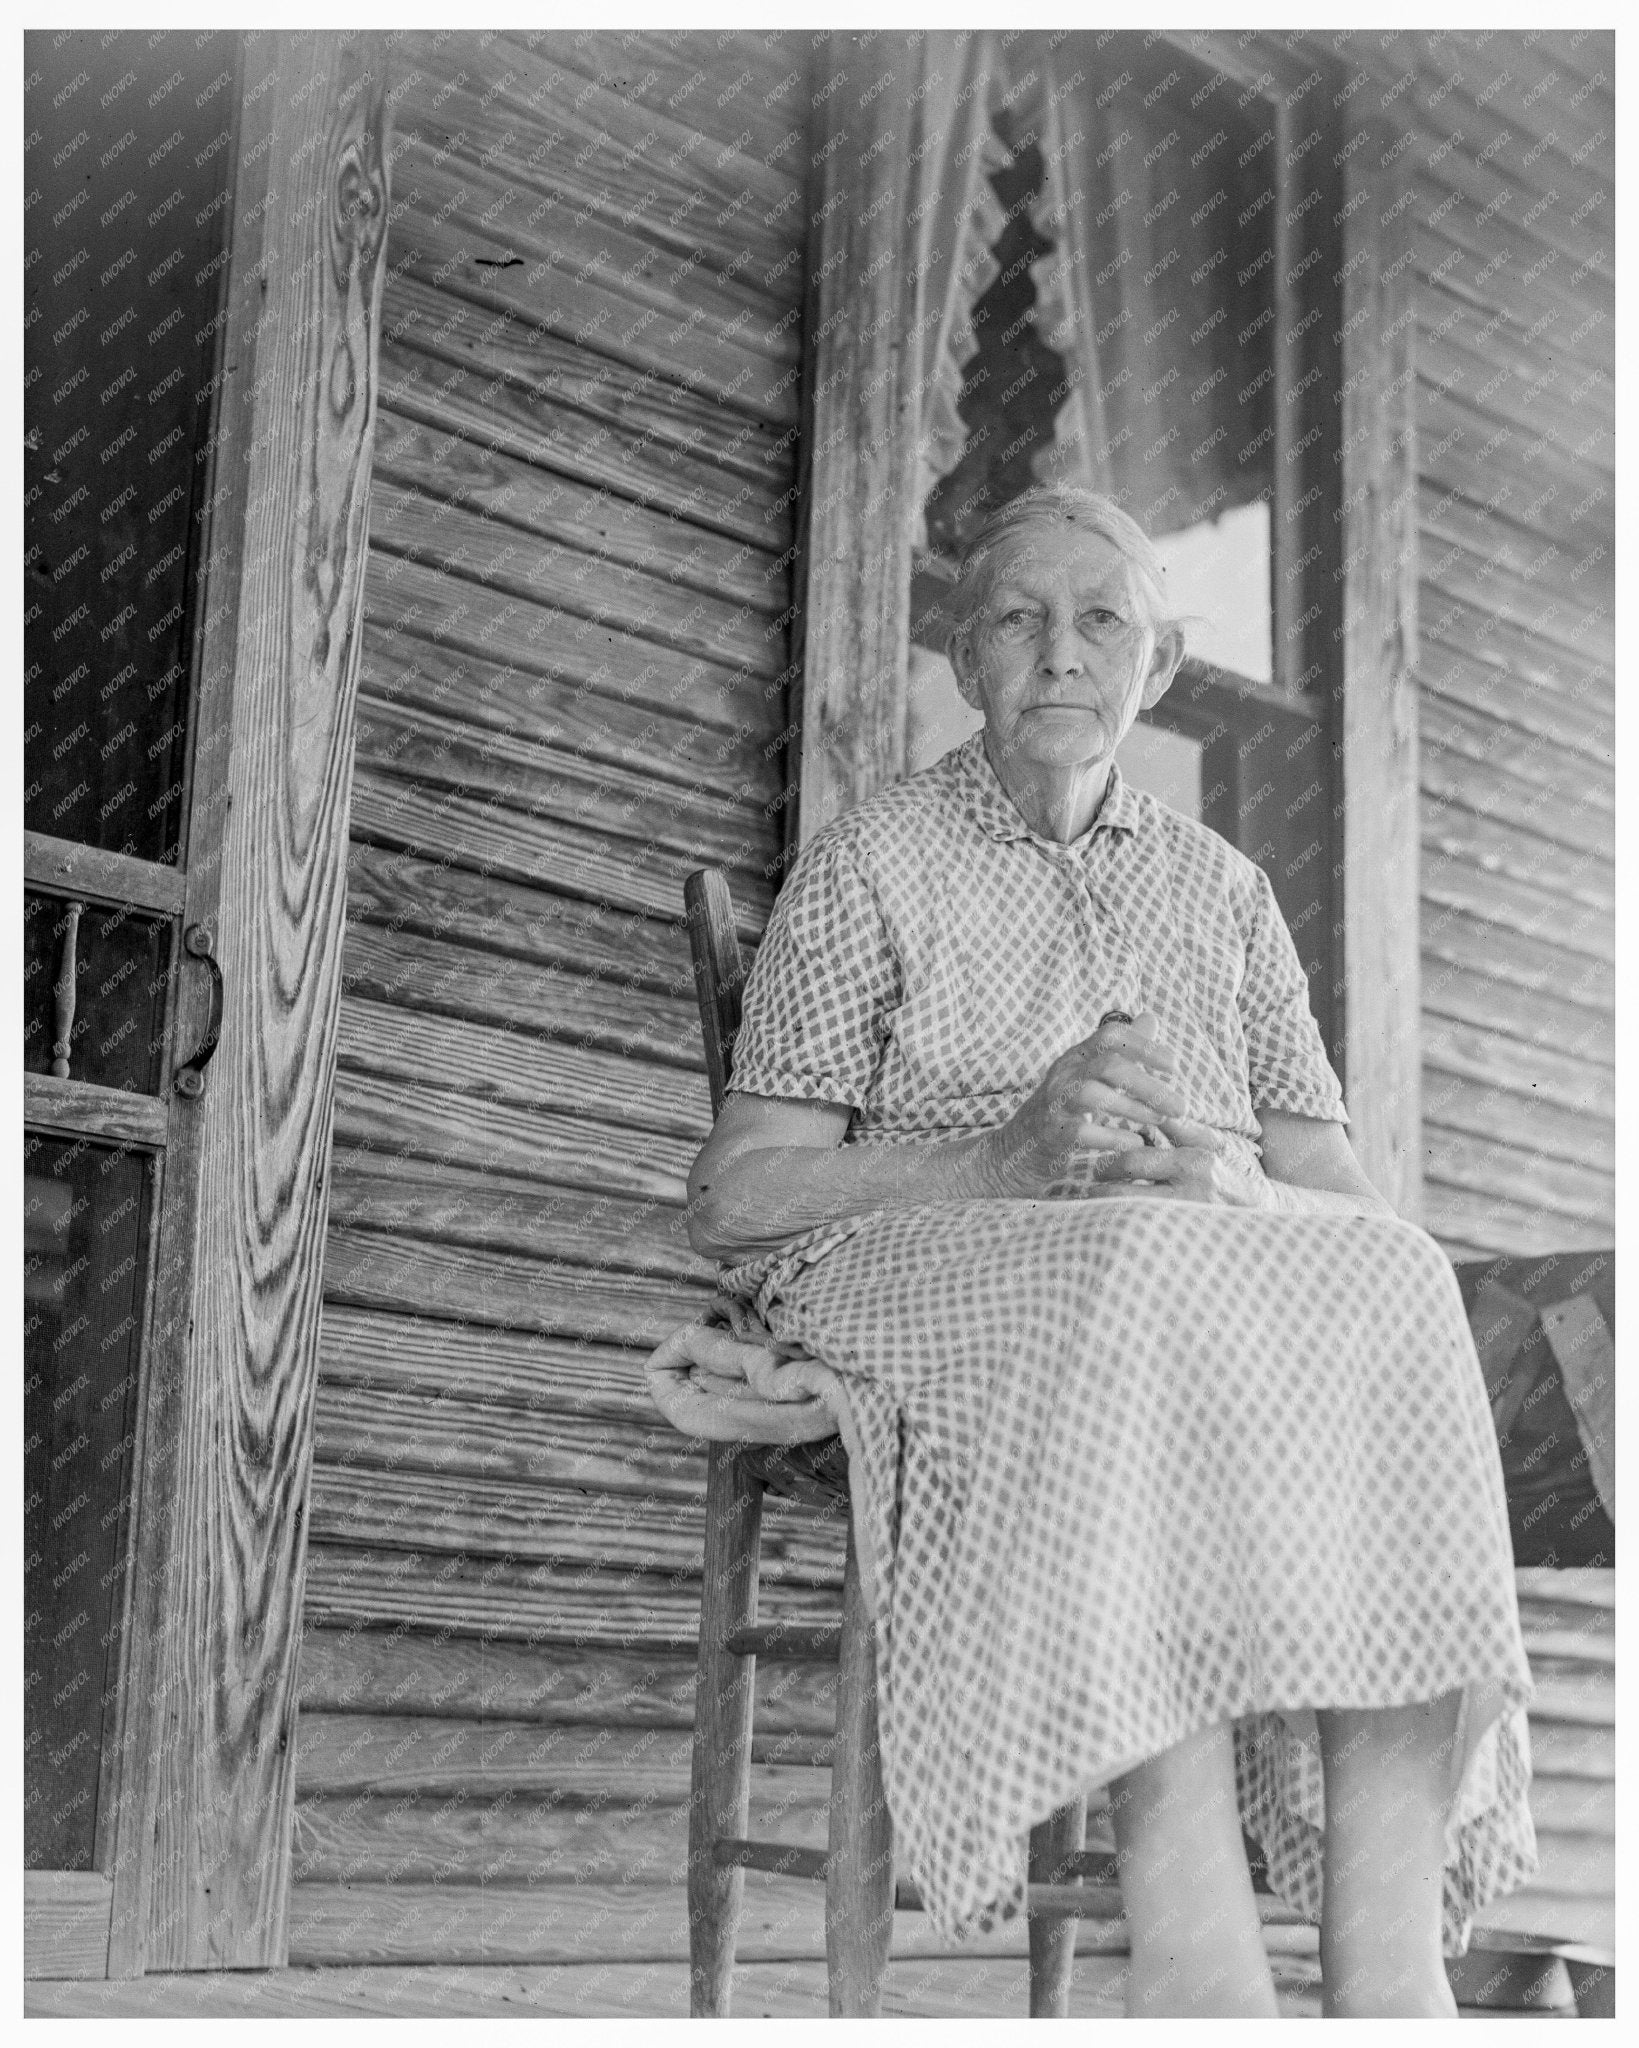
point(719, 972)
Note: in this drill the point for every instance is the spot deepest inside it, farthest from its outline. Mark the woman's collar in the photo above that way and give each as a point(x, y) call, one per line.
point(996, 814)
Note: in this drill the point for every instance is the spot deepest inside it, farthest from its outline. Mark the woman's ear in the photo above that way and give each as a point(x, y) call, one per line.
point(1169, 652)
point(959, 653)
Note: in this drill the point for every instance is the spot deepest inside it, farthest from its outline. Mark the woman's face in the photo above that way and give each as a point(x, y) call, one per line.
point(1063, 655)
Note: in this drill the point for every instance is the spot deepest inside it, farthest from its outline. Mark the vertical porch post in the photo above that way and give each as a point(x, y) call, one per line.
point(1381, 997)
point(202, 1850)
point(861, 429)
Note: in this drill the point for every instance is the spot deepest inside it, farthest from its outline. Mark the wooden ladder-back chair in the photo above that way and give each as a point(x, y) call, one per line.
point(857, 1870)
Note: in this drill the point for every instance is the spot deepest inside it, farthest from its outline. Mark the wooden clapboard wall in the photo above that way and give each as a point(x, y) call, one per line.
point(1505, 144)
point(577, 638)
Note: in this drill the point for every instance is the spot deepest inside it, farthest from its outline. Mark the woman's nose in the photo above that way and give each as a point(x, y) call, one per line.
point(1061, 651)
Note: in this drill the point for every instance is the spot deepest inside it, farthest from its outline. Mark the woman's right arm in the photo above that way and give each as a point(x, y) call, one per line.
point(774, 1166)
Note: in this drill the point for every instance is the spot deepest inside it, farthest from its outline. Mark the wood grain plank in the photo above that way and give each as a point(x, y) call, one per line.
point(1538, 486)
point(1558, 999)
point(1536, 414)
point(66, 1916)
point(202, 1858)
point(676, 750)
point(407, 1120)
point(1480, 1052)
point(1380, 746)
point(68, 867)
point(418, 603)
point(533, 1604)
point(1459, 1104)
point(1458, 1214)
point(574, 1765)
point(392, 1427)
point(490, 1212)
point(454, 1511)
point(748, 361)
point(449, 467)
point(1452, 878)
point(1529, 757)
point(783, 1919)
point(590, 866)
point(1452, 359)
point(681, 74)
point(1587, 1591)
point(1482, 663)
point(1571, 128)
point(69, 1108)
point(371, 1270)
point(511, 1067)
point(1573, 1749)
point(373, 1670)
point(1571, 1806)
point(366, 1348)
point(402, 892)
point(1462, 819)
point(599, 157)
point(1516, 280)
point(576, 581)
point(443, 752)
point(365, 1838)
point(529, 425)
point(1549, 607)
point(632, 425)
point(856, 595)
point(1507, 549)
point(1490, 216)
point(1490, 1166)
point(404, 970)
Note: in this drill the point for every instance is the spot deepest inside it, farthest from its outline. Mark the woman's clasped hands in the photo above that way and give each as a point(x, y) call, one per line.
point(1081, 1129)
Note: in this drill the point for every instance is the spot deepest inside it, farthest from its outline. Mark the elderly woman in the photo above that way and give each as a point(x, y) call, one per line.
point(1172, 1461)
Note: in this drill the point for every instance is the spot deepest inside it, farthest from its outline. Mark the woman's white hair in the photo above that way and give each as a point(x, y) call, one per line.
point(1072, 505)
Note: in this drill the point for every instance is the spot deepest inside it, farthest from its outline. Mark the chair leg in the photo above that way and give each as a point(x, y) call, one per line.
point(720, 1769)
point(1593, 1986)
point(1053, 1942)
point(859, 1883)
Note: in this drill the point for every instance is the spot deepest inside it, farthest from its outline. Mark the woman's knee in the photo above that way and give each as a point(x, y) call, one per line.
point(1367, 1751)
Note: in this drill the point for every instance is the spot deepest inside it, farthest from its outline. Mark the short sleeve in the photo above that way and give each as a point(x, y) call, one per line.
point(1286, 1055)
point(826, 977)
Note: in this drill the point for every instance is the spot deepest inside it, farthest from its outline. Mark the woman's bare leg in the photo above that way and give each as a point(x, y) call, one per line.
point(1388, 1774)
point(1197, 1946)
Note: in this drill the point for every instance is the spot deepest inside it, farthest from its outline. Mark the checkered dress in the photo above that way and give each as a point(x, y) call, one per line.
point(1125, 1467)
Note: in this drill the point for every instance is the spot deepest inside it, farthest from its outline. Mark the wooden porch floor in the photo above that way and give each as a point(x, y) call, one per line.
point(939, 1987)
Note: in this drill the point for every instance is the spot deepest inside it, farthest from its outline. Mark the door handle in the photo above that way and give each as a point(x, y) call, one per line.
point(189, 1079)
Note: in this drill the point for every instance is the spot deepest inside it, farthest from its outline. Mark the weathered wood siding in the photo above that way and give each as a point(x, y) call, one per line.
point(577, 639)
point(1504, 149)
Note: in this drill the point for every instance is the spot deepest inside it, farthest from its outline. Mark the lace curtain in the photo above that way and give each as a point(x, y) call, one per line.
point(954, 218)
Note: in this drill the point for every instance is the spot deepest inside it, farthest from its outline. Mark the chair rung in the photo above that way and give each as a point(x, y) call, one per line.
point(781, 1857)
point(794, 1643)
point(1090, 1902)
point(1498, 1941)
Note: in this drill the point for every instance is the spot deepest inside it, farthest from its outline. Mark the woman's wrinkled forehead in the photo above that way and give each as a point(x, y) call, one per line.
point(1101, 567)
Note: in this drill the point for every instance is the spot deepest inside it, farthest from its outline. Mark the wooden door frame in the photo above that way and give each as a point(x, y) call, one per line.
point(1349, 615)
point(206, 1700)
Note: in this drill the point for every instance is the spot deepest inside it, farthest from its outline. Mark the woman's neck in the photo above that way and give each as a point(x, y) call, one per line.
point(1058, 803)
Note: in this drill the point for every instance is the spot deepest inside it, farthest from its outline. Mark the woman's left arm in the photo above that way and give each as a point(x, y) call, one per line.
point(1305, 1156)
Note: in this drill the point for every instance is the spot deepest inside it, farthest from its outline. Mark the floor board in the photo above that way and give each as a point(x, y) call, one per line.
point(978, 1987)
